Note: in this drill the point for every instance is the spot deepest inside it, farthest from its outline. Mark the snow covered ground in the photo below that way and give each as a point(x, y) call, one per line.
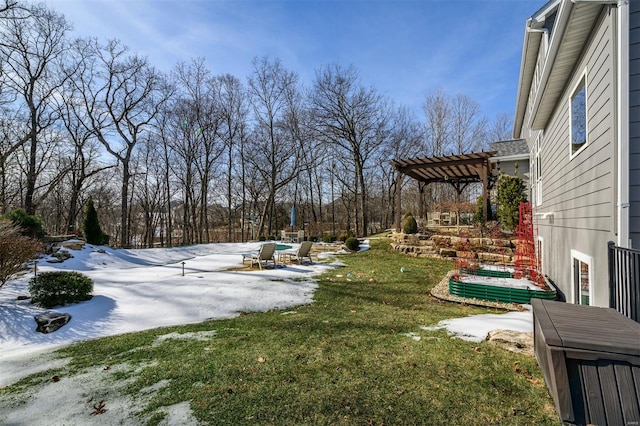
point(143, 289)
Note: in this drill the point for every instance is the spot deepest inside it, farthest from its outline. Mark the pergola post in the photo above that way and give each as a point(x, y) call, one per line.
point(484, 176)
point(399, 179)
point(458, 170)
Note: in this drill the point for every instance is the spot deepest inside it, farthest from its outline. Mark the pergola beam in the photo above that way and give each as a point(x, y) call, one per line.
point(458, 170)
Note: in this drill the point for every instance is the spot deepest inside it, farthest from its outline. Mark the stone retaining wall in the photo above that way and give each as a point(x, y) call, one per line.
point(487, 250)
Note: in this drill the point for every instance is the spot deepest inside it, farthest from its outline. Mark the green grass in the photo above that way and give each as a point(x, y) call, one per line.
point(344, 359)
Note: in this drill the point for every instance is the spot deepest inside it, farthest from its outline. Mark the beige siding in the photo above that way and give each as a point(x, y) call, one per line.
point(580, 191)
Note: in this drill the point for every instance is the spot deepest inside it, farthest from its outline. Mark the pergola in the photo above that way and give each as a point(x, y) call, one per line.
point(458, 170)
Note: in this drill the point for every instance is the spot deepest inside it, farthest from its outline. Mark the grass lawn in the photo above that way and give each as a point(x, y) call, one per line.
point(351, 357)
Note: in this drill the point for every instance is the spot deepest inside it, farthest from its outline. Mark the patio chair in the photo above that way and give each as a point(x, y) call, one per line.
point(266, 255)
point(304, 251)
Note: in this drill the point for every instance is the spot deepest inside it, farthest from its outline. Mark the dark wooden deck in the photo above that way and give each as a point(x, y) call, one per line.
point(590, 358)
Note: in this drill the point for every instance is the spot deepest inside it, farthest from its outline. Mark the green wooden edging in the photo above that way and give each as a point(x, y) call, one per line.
point(486, 273)
point(497, 293)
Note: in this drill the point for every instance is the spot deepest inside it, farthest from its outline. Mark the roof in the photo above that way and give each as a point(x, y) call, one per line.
point(461, 168)
point(511, 148)
point(570, 25)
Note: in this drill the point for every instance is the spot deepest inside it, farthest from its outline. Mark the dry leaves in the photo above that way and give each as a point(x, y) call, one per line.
point(99, 408)
point(526, 373)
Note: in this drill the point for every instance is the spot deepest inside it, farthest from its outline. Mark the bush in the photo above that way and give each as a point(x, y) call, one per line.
point(345, 235)
point(50, 289)
point(91, 227)
point(409, 224)
point(262, 238)
point(30, 225)
point(352, 243)
point(407, 214)
point(478, 216)
point(15, 250)
point(511, 192)
point(328, 239)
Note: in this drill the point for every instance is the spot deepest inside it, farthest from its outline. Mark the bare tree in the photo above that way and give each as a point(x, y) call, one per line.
point(31, 49)
point(500, 128)
point(437, 111)
point(233, 107)
point(12, 138)
point(468, 127)
point(276, 137)
point(352, 118)
point(83, 163)
point(405, 140)
point(127, 93)
point(149, 189)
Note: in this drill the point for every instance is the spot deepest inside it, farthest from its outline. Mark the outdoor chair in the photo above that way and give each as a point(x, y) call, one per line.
point(304, 251)
point(266, 255)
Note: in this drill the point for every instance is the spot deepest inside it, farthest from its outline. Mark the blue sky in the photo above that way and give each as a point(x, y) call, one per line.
point(403, 48)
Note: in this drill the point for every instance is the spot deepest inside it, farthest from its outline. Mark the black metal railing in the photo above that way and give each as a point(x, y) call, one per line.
point(624, 281)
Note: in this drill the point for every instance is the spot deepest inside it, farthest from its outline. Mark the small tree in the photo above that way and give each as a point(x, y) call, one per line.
point(479, 212)
point(15, 250)
point(352, 243)
point(91, 227)
point(409, 224)
point(511, 192)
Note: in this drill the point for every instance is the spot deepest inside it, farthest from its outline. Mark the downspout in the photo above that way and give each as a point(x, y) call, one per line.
point(623, 124)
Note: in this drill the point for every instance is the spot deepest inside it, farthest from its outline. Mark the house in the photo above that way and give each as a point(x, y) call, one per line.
point(578, 108)
point(512, 158)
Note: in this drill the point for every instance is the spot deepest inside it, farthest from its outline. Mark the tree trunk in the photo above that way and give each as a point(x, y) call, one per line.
point(29, 206)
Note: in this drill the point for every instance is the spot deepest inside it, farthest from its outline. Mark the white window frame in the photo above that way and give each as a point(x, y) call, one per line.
point(540, 254)
point(537, 172)
point(585, 258)
point(583, 78)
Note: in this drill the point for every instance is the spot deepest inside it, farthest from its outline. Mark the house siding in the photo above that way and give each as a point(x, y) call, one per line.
point(580, 191)
point(634, 123)
point(509, 168)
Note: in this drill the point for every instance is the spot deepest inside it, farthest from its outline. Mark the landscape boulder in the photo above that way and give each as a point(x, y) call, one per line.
point(515, 341)
point(59, 256)
point(50, 321)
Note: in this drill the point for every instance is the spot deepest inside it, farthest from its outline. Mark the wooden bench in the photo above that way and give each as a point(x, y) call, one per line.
point(590, 358)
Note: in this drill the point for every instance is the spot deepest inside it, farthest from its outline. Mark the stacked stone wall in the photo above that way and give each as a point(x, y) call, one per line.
point(486, 250)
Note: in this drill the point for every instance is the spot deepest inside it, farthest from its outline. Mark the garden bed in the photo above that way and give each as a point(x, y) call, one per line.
point(489, 271)
point(498, 289)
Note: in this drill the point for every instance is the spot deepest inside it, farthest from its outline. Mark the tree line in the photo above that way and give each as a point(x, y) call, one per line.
point(186, 156)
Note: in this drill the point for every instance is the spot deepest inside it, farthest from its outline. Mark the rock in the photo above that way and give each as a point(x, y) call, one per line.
point(492, 257)
point(23, 297)
point(74, 244)
point(60, 256)
point(447, 252)
point(515, 341)
point(465, 255)
point(50, 321)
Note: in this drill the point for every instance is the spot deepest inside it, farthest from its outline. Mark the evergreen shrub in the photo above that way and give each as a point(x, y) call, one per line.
point(344, 236)
point(91, 227)
point(352, 243)
point(478, 216)
point(409, 224)
point(50, 289)
point(30, 225)
point(511, 192)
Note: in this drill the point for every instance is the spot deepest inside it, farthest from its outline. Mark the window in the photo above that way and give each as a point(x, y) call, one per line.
point(539, 254)
point(537, 173)
point(579, 117)
point(581, 273)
